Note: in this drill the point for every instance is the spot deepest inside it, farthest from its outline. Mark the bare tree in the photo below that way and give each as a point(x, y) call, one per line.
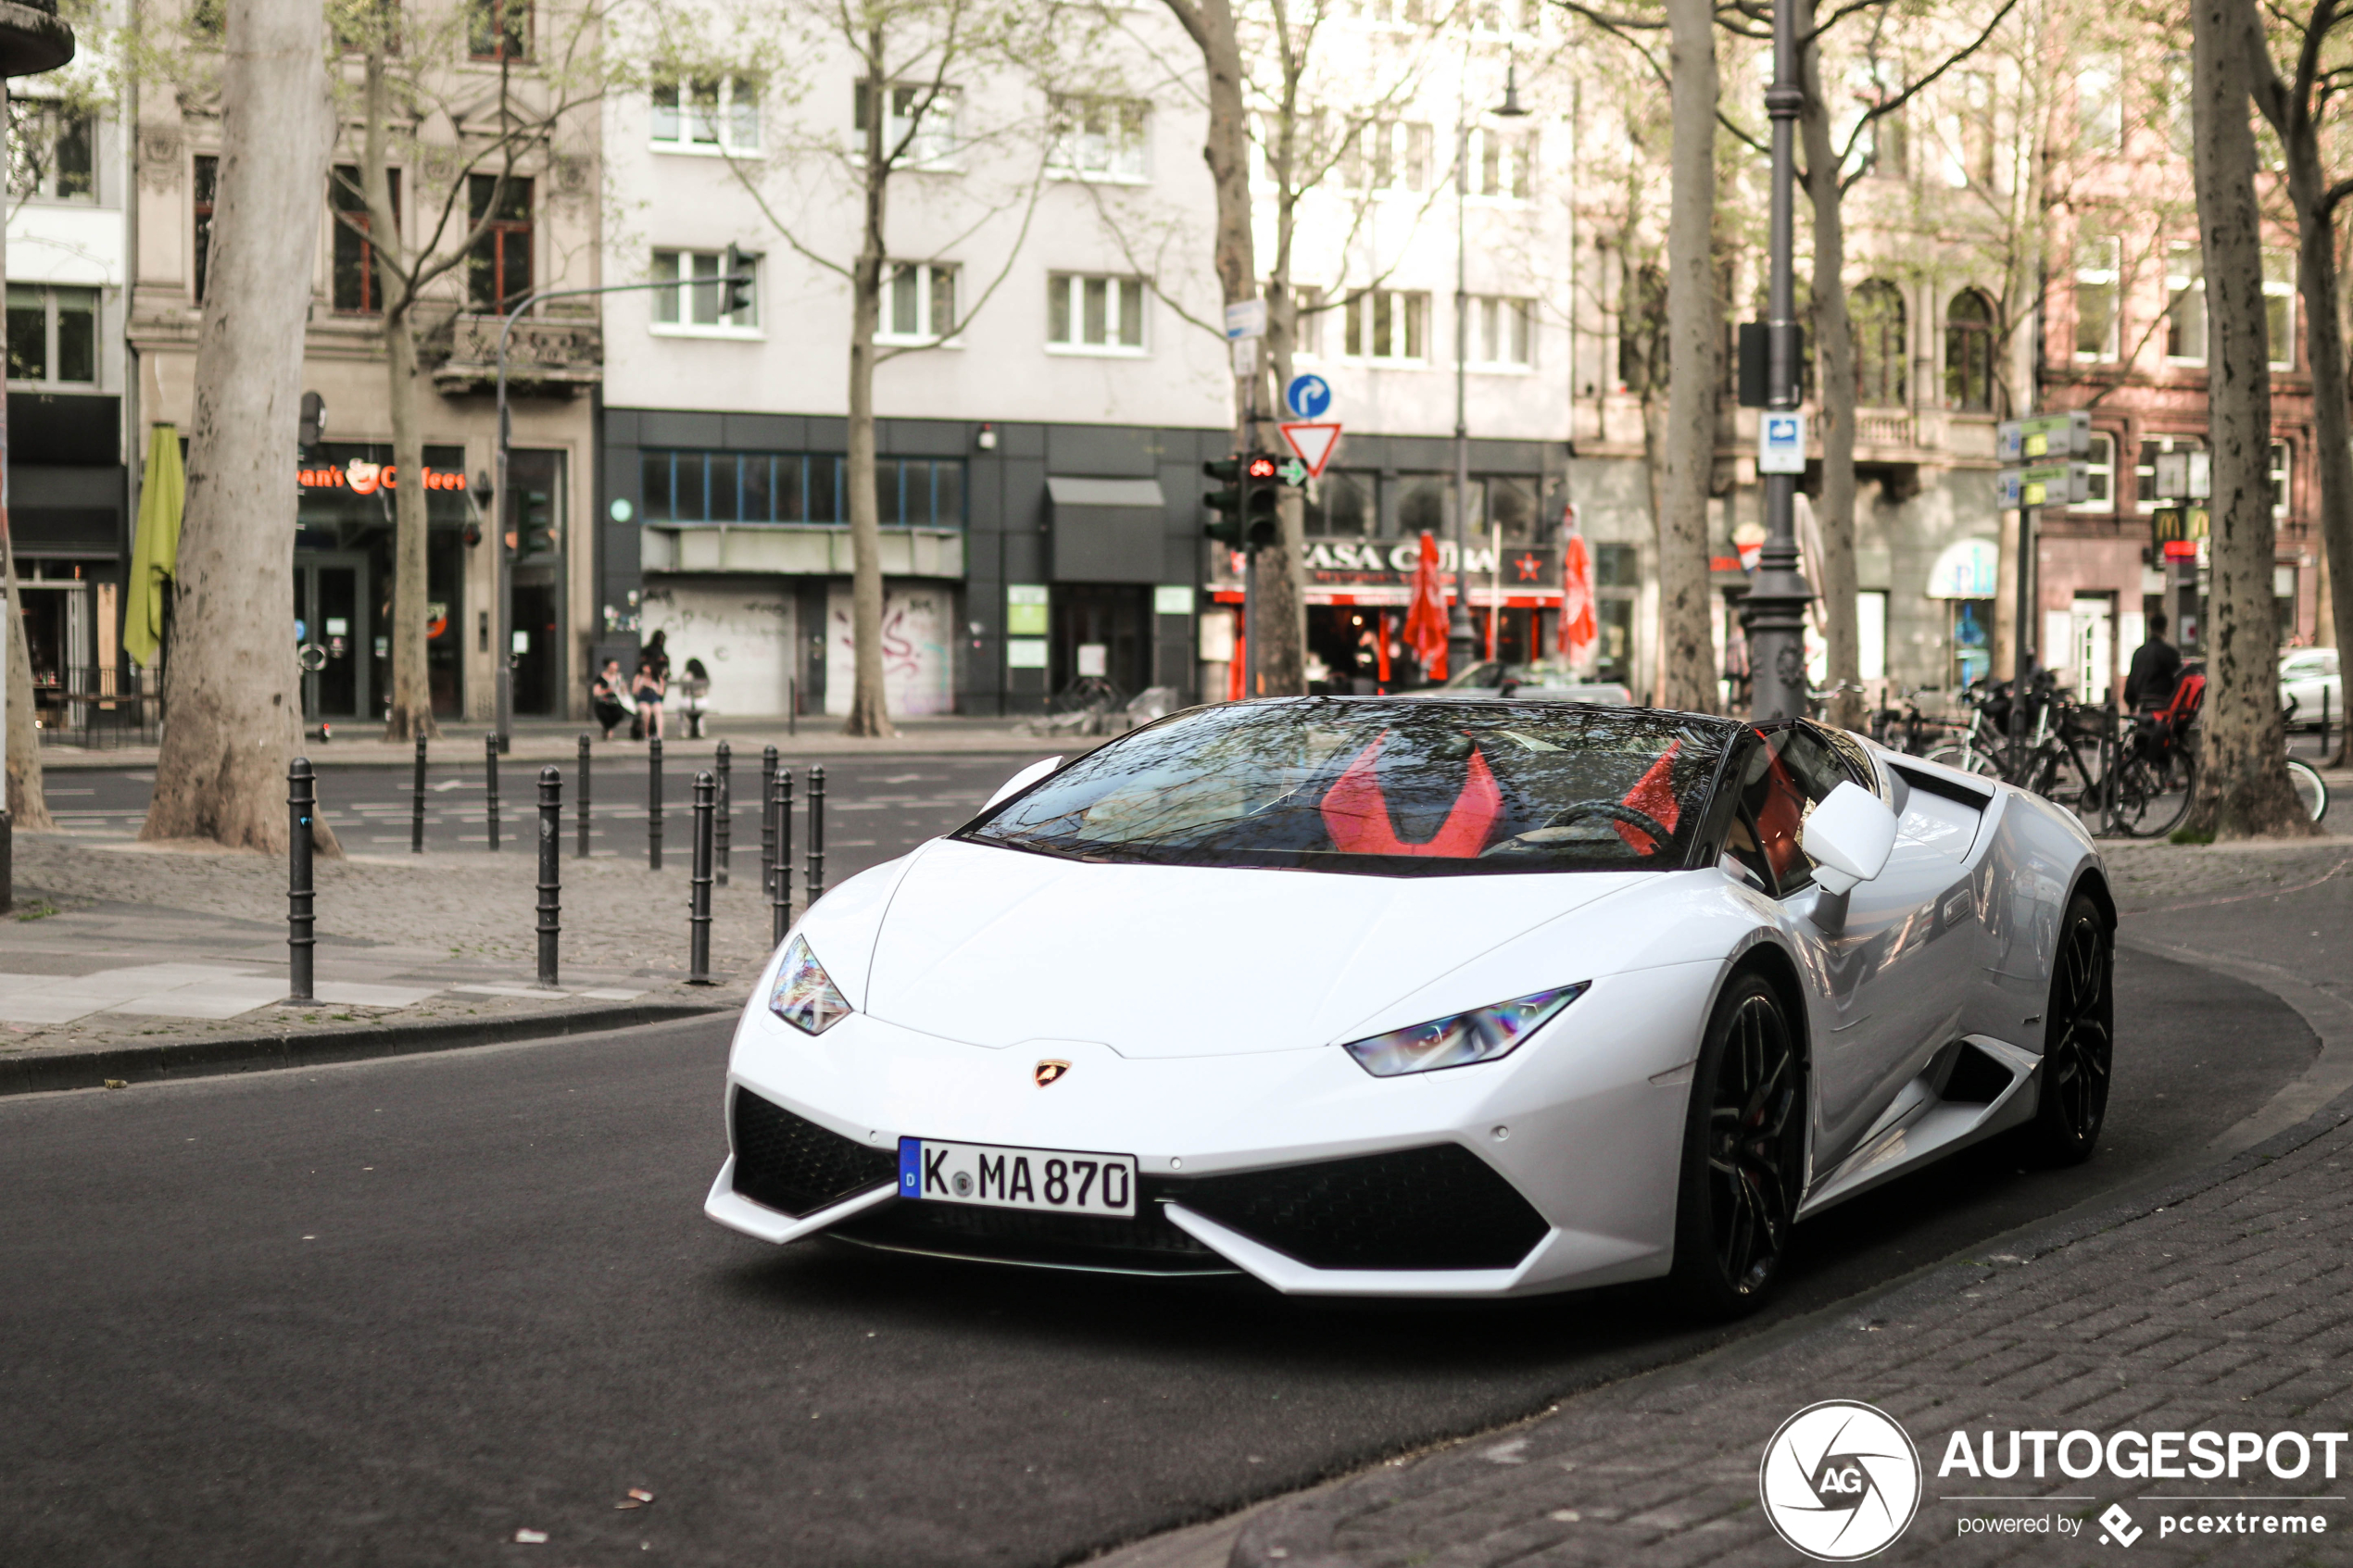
point(230, 685)
point(2243, 789)
point(1695, 332)
point(403, 87)
point(2295, 107)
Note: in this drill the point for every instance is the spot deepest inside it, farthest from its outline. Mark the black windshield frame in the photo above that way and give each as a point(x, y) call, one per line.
point(1723, 736)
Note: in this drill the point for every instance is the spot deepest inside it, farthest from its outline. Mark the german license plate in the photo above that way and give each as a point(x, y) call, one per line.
point(1059, 1181)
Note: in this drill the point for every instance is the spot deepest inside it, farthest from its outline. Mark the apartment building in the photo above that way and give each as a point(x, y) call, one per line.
point(476, 66)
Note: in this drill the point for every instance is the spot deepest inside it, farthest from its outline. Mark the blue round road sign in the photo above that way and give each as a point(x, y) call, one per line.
point(1308, 396)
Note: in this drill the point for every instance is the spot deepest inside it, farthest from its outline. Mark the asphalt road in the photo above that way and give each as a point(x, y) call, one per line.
point(876, 808)
point(387, 1313)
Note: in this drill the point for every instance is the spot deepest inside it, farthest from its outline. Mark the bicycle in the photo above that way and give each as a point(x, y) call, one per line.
point(1906, 729)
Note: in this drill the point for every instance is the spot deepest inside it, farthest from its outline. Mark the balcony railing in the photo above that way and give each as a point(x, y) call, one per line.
point(555, 355)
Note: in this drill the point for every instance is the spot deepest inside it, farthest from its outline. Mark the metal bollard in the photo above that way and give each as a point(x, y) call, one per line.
point(699, 886)
point(816, 879)
point(417, 804)
point(779, 815)
point(551, 846)
point(767, 820)
point(582, 811)
point(302, 805)
point(726, 811)
point(2111, 759)
point(2324, 726)
point(653, 804)
point(490, 783)
point(792, 706)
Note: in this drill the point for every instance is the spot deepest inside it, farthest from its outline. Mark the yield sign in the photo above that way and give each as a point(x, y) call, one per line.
point(1314, 442)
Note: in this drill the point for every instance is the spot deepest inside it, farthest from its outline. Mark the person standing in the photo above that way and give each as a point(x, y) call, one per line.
point(2156, 670)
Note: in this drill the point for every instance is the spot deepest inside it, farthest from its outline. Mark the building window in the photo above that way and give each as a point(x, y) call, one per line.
point(2282, 479)
point(499, 30)
point(1094, 313)
point(2099, 107)
point(2099, 491)
point(920, 130)
point(794, 487)
point(1968, 156)
point(2279, 307)
point(53, 336)
point(51, 151)
point(919, 302)
point(206, 181)
point(1388, 155)
point(1502, 164)
point(1388, 324)
point(1968, 352)
point(2098, 273)
point(1881, 357)
point(2185, 304)
point(1502, 332)
point(1098, 138)
point(1972, 640)
point(358, 289)
point(707, 115)
point(2147, 494)
point(498, 270)
point(1307, 320)
point(694, 300)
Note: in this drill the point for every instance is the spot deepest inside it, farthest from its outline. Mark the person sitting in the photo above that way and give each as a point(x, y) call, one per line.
point(648, 686)
point(608, 696)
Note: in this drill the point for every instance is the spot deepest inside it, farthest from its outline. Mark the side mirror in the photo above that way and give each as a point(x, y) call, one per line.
point(1021, 781)
point(1849, 836)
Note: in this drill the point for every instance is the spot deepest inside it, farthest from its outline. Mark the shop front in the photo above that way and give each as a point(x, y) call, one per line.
point(344, 570)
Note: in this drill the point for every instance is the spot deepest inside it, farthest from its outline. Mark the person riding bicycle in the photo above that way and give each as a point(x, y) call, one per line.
point(2156, 670)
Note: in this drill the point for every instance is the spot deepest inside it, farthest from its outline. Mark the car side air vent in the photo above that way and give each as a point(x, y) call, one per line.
point(1976, 1078)
point(794, 1166)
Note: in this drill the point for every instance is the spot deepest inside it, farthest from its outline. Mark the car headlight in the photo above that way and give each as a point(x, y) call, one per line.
point(1481, 1035)
point(805, 995)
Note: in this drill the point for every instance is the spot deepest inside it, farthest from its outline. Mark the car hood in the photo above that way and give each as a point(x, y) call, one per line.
point(1000, 947)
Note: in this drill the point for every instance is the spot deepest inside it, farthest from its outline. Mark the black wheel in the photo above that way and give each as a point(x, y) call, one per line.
point(2153, 797)
point(2309, 788)
point(1743, 1154)
point(2078, 1044)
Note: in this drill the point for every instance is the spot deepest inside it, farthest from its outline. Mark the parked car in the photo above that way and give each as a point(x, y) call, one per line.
point(1370, 997)
point(2305, 675)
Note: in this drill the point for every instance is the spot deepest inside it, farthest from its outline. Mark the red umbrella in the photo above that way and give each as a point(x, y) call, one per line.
point(1578, 629)
point(1425, 616)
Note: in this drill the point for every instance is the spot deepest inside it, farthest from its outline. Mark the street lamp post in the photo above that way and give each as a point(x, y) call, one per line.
point(1775, 612)
point(1462, 639)
point(502, 651)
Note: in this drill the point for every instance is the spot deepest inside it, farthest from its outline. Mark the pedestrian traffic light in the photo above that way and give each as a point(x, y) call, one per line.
point(1225, 527)
point(1265, 494)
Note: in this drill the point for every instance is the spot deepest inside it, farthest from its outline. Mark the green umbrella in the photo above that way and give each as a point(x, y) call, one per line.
point(155, 555)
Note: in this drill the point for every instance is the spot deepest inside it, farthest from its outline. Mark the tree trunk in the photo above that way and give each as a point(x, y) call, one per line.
point(1282, 566)
point(411, 713)
point(869, 712)
point(2243, 789)
point(28, 803)
point(230, 684)
point(1686, 647)
point(1834, 366)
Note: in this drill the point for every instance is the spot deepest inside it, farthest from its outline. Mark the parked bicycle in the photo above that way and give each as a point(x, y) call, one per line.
point(1909, 730)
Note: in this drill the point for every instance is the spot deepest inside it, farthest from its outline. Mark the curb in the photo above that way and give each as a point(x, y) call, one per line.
point(263, 1053)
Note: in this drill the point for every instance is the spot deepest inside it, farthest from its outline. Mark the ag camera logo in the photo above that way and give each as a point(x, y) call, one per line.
point(1840, 1481)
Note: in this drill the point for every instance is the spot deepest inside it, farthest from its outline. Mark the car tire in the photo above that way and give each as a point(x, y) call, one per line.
point(1743, 1155)
point(2079, 1040)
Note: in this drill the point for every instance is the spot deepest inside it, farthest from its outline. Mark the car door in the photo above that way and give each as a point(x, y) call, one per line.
point(1893, 977)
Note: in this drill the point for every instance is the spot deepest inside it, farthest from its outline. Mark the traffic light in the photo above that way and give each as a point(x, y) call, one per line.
point(1263, 496)
point(1227, 502)
point(741, 275)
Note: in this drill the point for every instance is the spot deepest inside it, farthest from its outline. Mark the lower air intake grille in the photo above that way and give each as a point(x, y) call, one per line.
point(793, 1165)
point(1147, 1243)
point(1437, 1208)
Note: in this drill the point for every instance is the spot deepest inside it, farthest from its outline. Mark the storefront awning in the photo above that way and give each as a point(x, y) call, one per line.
point(1107, 530)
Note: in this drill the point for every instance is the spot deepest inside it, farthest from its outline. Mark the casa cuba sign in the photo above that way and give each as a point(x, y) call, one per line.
point(363, 478)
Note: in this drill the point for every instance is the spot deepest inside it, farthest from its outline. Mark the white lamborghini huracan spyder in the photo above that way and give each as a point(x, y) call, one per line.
point(1428, 997)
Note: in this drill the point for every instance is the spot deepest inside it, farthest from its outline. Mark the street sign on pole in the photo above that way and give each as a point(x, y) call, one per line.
point(1245, 358)
point(1308, 397)
point(2044, 484)
point(1781, 441)
point(1246, 318)
point(2044, 436)
point(1314, 442)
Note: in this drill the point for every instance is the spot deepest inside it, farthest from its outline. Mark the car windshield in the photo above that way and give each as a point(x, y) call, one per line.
point(1382, 787)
